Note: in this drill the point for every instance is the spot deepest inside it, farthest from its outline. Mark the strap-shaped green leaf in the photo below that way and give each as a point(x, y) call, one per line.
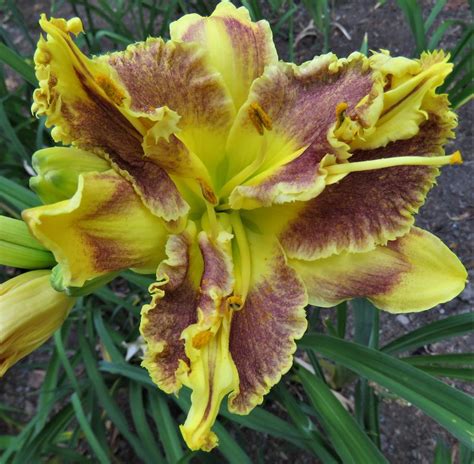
point(448, 406)
point(18, 63)
point(19, 197)
point(81, 417)
point(439, 330)
point(142, 426)
point(349, 440)
point(167, 428)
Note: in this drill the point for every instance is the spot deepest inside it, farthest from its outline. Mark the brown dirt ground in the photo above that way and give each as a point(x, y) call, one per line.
point(408, 436)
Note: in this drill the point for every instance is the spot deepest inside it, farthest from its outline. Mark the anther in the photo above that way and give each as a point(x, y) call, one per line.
point(259, 118)
point(208, 193)
point(340, 108)
point(201, 339)
point(234, 302)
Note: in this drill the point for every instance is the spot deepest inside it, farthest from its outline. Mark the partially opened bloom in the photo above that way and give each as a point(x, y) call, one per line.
point(30, 312)
point(251, 186)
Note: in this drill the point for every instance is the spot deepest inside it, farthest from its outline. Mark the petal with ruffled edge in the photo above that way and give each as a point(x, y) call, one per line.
point(87, 105)
point(172, 309)
point(186, 328)
point(212, 373)
point(237, 47)
point(58, 170)
point(286, 127)
point(368, 208)
point(263, 332)
point(409, 92)
point(157, 73)
point(104, 227)
point(413, 273)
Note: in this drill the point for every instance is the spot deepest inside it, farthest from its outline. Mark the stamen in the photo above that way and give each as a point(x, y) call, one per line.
point(340, 108)
point(359, 166)
point(208, 193)
point(259, 118)
point(201, 339)
point(211, 215)
point(234, 303)
point(243, 264)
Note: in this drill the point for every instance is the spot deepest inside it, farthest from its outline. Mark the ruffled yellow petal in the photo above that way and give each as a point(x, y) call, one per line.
point(172, 309)
point(104, 227)
point(212, 373)
point(275, 154)
point(264, 330)
point(69, 82)
point(410, 91)
point(212, 376)
point(88, 106)
point(368, 208)
point(187, 325)
point(176, 75)
point(413, 273)
point(30, 312)
point(234, 45)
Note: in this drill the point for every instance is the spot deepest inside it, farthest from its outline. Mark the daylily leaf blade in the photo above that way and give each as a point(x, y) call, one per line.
point(350, 442)
point(16, 195)
point(99, 452)
point(141, 424)
point(440, 330)
point(8, 56)
point(106, 401)
point(166, 427)
point(449, 407)
point(305, 425)
point(229, 447)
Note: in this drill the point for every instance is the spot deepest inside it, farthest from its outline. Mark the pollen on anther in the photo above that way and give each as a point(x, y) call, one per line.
point(234, 302)
point(340, 108)
point(259, 118)
point(208, 193)
point(201, 339)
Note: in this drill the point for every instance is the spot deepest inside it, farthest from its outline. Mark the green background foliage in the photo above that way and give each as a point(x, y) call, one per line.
point(91, 394)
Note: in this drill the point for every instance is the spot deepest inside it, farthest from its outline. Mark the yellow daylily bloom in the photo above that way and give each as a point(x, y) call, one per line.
point(252, 187)
point(30, 312)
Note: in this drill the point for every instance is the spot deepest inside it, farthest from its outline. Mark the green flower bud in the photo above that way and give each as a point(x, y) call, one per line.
point(30, 312)
point(58, 169)
point(18, 248)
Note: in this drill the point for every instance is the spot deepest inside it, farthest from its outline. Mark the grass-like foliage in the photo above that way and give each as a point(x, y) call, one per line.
point(92, 398)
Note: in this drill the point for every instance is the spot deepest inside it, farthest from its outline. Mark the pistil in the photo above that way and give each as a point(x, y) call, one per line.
point(359, 166)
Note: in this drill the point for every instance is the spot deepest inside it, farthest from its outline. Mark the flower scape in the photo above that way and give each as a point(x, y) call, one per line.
point(250, 186)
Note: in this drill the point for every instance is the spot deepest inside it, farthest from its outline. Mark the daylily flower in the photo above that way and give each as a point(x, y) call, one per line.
point(253, 186)
point(30, 312)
